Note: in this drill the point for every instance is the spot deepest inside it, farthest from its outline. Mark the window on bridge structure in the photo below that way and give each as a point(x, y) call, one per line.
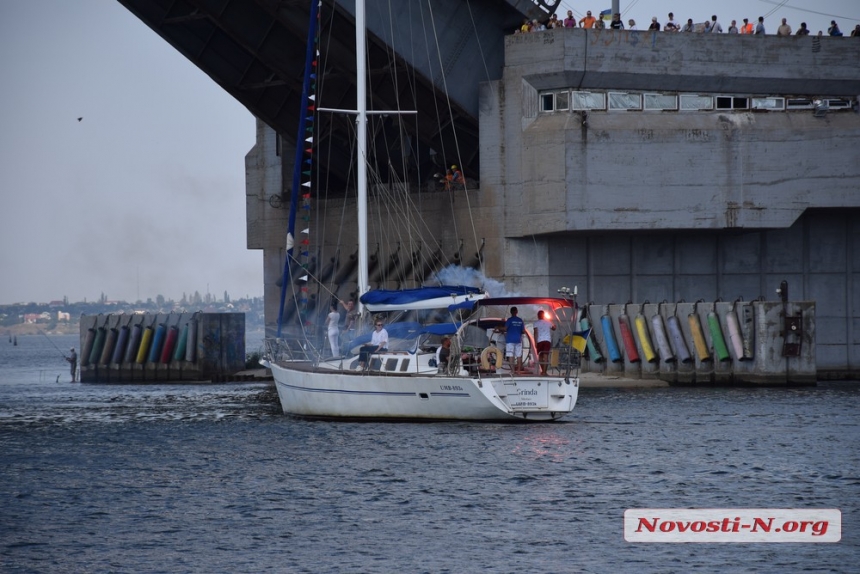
point(555, 101)
point(661, 102)
point(732, 103)
point(768, 104)
point(695, 102)
point(589, 101)
point(624, 101)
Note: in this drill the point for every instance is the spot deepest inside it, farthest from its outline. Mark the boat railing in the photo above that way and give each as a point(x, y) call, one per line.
point(287, 350)
point(569, 359)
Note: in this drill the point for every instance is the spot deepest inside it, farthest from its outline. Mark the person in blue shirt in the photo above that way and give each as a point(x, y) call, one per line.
point(514, 328)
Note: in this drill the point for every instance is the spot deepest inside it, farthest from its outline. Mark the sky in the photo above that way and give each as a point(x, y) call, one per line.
point(146, 194)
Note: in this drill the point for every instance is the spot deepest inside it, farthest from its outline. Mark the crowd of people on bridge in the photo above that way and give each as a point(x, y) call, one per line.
point(709, 26)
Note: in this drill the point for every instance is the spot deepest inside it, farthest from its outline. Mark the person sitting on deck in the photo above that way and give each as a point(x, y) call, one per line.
point(443, 354)
point(378, 344)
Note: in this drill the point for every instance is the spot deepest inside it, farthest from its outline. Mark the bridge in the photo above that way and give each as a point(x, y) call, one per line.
point(255, 50)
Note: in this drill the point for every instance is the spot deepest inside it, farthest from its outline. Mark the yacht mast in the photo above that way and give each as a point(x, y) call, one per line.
point(361, 131)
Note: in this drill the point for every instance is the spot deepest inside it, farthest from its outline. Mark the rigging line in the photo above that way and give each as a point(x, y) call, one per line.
point(443, 152)
point(432, 87)
point(775, 8)
point(628, 8)
point(392, 198)
point(480, 48)
point(396, 81)
point(416, 229)
point(456, 144)
point(412, 74)
point(448, 101)
point(493, 89)
point(315, 279)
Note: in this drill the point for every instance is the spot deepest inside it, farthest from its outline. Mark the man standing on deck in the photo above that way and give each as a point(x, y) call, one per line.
point(514, 328)
point(73, 361)
point(543, 340)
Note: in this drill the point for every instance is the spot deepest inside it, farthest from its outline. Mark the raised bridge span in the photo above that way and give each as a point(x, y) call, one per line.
point(255, 50)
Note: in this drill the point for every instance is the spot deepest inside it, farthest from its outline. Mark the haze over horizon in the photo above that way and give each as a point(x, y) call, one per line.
point(144, 195)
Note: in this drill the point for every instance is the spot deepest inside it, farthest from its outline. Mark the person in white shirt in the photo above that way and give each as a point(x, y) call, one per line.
point(543, 339)
point(332, 322)
point(378, 343)
point(715, 26)
point(671, 25)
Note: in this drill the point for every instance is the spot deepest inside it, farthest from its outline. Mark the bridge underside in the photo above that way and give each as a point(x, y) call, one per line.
point(255, 50)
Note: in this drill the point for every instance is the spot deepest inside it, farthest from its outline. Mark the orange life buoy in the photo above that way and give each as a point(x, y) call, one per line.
point(485, 357)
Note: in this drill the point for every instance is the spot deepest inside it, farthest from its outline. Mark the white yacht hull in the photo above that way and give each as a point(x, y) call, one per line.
point(313, 392)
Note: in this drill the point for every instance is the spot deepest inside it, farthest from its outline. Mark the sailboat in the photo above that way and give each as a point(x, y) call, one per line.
point(409, 379)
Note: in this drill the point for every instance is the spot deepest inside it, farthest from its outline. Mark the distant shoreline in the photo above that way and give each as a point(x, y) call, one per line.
point(25, 329)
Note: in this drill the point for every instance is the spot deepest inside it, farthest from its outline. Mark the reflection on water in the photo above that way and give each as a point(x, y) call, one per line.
point(212, 478)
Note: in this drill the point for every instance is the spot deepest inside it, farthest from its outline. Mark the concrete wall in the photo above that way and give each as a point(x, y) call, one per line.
point(755, 353)
point(635, 170)
point(634, 206)
point(267, 203)
point(215, 347)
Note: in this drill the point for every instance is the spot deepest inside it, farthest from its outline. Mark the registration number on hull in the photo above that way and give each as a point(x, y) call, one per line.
point(530, 394)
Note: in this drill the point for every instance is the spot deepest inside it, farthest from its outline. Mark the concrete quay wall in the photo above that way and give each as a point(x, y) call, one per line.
point(715, 169)
point(760, 342)
point(139, 347)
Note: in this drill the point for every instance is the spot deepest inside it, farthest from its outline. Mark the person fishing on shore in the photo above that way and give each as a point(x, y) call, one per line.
point(73, 361)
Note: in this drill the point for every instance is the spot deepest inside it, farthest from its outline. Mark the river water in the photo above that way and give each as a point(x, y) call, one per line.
point(212, 478)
